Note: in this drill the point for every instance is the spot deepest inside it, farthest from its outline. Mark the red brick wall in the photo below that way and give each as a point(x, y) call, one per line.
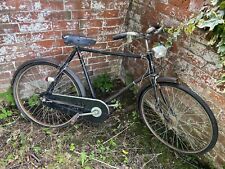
point(33, 28)
point(190, 59)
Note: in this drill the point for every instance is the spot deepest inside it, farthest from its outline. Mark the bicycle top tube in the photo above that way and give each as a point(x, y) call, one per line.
point(123, 54)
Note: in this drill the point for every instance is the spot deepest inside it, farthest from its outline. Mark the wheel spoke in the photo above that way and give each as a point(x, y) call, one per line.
point(180, 122)
point(33, 79)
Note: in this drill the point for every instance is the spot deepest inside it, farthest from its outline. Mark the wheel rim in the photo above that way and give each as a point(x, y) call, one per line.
point(34, 81)
point(183, 126)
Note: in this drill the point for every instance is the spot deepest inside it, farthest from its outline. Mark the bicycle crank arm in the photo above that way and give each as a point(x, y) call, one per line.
point(93, 110)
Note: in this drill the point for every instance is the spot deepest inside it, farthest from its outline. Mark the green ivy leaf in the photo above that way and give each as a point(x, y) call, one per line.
point(211, 23)
point(214, 2)
point(221, 50)
point(222, 5)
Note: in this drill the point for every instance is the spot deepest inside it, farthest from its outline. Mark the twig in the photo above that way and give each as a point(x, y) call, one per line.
point(155, 156)
point(116, 135)
point(10, 123)
point(35, 157)
point(106, 164)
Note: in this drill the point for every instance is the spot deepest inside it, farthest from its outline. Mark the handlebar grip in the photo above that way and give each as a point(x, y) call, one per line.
point(120, 36)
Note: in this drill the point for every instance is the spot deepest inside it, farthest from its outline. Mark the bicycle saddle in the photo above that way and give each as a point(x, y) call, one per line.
point(76, 40)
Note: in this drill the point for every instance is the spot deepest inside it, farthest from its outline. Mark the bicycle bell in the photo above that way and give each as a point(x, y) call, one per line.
point(160, 51)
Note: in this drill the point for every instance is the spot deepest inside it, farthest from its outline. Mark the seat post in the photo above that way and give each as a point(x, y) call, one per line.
point(146, 44)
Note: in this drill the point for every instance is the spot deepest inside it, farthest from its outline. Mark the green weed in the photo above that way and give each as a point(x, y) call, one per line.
point(33, 100)
point(8, 97)
point(83, 158)
point(103, 82)
point(4, 113)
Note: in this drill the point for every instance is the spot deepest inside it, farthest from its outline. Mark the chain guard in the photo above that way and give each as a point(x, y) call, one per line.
point(79, 104)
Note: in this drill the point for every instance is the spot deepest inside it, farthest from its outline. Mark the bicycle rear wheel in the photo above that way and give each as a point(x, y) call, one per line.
point(32, 79)
point(181, 120)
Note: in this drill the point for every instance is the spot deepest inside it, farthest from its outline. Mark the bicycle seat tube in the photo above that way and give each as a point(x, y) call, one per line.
point(62, 68)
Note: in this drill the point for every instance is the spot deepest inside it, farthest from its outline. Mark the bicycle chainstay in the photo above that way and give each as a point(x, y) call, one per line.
point(81, 105)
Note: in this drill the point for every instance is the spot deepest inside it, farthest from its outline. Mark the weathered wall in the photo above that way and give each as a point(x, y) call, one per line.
point(190, 59)
point(33, 28)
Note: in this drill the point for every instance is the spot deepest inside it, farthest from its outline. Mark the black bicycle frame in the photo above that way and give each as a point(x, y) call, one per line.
point(78, 50)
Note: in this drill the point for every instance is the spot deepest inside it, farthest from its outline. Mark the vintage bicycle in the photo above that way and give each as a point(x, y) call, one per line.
point(52, 95)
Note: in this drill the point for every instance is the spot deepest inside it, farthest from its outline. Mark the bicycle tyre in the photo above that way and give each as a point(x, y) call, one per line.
point(168, 128)
point(30, 80)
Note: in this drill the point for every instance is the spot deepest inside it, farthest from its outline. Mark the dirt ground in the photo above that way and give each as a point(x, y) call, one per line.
point(121, 142)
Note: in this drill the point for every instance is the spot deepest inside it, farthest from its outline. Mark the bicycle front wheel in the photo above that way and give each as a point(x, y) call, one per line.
point(32, 79)
point(180, 118)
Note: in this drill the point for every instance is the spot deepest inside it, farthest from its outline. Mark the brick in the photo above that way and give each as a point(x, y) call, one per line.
point(92, 23)
point(192, 58)
point(92, 31)
point(52, 5)
point(10, 49)
point(96, 60)
point(99, 65)
point(39, 36)
point(5, 75)
point(23, 37)
point(5, 17)
point(113, 22)
point(35, 27)
point(100, 46)
point(65, 25)
point(173, 11)
point(7, 39)
point(102, 70)
point(20, 16)
point(98, 5)
point(84, 14)
point(8, 5)
point(8, 28)
point(58, 43)
point(195, 6)
point(52, 52)
point(59, 15)
point(115, 44)
point(109, 14)
point(184, 4)
point(45, 44)
point(77, 4)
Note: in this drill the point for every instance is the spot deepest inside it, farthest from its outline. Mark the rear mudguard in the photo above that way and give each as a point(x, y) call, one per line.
point(51, 61)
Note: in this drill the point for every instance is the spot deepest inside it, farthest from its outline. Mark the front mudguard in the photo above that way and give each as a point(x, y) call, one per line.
point(167, 79)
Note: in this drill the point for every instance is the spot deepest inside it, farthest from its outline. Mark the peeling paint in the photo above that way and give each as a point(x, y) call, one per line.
point(4, 6)
point(41, 16)
point(9, 39)
point(37, 6)
point(4, 18)
point(23, 18)
point(21, 7)
point(98, 6)
point(37, 37)
point(35, 27)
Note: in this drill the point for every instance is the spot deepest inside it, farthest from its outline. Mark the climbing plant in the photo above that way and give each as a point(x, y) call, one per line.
point(212, 19)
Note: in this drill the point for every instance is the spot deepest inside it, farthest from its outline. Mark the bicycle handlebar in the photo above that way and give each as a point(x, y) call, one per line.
point(124, 35)
point(151, 30)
